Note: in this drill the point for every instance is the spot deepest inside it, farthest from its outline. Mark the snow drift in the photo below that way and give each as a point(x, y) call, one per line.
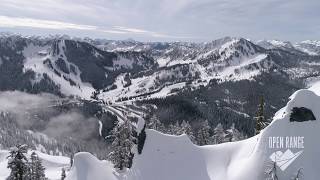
point(86, 166)
point(167, 157)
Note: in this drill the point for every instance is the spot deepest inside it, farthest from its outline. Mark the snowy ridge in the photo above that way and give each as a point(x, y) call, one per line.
point(86, 167)
point(228, 59)
point(167, 157)
point(271, 44)
point(309, 47)
point(130, 70)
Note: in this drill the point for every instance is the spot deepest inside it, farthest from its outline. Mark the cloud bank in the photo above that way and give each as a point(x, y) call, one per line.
point(163, 20)
point(38, 113)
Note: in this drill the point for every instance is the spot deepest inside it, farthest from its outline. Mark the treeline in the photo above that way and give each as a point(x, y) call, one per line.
point(124, 138)
point(230, 102)
point(203, 135)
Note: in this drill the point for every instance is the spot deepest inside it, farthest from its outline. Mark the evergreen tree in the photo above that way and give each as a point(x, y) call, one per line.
point(121, 155)
point(156, 124)
point(203, 135)
point(174, 129)
point(170, 129)
point(177, 129)
point(94, 95)
point(260, 120)
point(187, 129)
point(218, 134)
point(234, 134)
point(63, 174)
point(36, 168)
point(18, 163)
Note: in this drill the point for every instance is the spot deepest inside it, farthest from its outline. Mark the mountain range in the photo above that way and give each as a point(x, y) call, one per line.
point(221, 81)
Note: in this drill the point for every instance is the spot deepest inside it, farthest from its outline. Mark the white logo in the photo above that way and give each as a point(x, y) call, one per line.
point(283, 160)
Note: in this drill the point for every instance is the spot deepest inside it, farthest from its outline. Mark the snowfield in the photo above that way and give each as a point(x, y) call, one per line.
point(167, 157)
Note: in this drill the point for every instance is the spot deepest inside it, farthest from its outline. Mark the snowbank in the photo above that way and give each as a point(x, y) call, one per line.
point(167, 157)
point(88, 167)
point(315, 88)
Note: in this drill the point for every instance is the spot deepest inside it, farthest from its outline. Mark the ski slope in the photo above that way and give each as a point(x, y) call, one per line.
point(35, 57)
point(167, 157)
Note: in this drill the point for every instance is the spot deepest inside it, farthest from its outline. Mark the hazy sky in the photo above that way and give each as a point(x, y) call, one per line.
point(164, 20)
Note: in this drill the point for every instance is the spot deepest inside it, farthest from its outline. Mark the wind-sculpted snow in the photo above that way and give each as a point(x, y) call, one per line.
point(167, 157)
point(86, 167)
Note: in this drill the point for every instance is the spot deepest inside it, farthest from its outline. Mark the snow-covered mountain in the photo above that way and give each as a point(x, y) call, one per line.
point(107, 82)
point(180, 64)
point(119, 73)
point(190, 65)
point(272, 44)
point(62, 66)
point(310, 47)
point(121, 70)
point(175, 157)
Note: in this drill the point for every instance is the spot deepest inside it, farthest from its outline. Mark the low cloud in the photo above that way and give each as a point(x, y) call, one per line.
point(131, 30)
point(6, 21)
point(72, 124)
point(22, 105)
point(18, 22)
point(203, 20)
point(43, 113)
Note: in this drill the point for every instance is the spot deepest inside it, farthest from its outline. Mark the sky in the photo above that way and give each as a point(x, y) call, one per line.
point(164, 20)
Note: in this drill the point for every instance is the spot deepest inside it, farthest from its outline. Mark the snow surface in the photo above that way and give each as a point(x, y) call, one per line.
point(88, 167)
point(315, 88)
point(167, 157)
